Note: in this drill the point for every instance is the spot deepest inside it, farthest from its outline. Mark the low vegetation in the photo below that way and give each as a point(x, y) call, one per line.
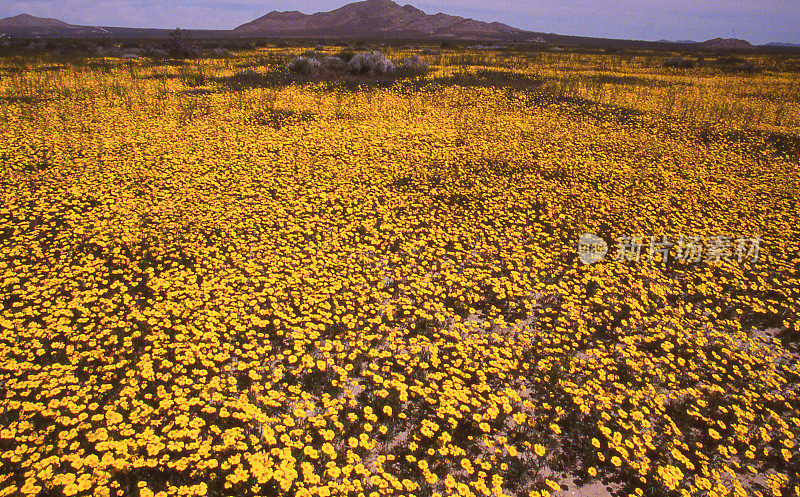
point(247, 273)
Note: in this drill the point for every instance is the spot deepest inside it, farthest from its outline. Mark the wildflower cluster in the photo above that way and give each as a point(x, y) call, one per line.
point(379, 293)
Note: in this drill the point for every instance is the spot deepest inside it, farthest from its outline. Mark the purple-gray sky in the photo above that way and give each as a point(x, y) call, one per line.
point(757, 21)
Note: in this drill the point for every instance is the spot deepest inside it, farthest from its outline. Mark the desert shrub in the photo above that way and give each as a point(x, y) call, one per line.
point(156, 53)
point(333, 64)
point(415, 62)
point(220, 52)
point(679, 62)
point(411, 67)
point(304, 65)
point(372, 62)
point(737, 64)
point(181, 45)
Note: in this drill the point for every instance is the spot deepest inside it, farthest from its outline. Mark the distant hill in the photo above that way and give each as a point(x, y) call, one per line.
point(727, 44)
point(781, 44)
point(25, 21)
point(25, 25)
point(28, 25)
point(364, 20)
point(376, 19)
point(730, 44)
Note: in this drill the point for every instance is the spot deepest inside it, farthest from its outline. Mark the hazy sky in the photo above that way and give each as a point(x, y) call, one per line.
point(757, 21)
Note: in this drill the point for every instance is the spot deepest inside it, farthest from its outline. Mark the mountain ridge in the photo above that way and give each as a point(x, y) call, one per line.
point(376, 19)
point(727, 44)
point(383, 19)
point(23, 21)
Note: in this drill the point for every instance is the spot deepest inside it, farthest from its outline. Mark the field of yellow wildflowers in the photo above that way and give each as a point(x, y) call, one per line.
point(217, 282)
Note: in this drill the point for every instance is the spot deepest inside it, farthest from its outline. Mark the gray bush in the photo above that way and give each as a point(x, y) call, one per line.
point(333, 64)
point(108, 52)
point(304, 65)
point(372, 62)
point(679, 62)
point(157, 53)
point(221, 52)
point(416, 63)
